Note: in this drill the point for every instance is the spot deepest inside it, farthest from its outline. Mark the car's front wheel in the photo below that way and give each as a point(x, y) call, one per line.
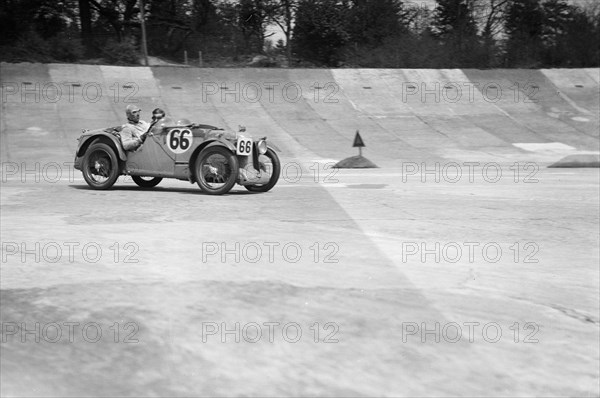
point(146, 182)
point(269, 163)
point(100, 166)
point(216, 170)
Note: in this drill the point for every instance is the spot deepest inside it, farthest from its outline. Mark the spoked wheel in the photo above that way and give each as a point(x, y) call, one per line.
point(269, 163)
point(100, 166)
point(146, 182)
point(216, 170)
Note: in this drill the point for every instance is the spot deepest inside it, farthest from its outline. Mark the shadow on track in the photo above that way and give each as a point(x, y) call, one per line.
point(194, 191)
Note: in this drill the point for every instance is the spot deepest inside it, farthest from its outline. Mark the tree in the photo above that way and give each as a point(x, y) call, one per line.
point(372, 21)
point(454, 24)
point(321, 30)
point(118, 14)
point(283, 13)
point(570, 36)
point(45, 18)
point(524, 25)
point(39, 31)
point(583, 37)
point(489, 16)
point(85, 18)
point(170, 23)
point(379, 33)
point(417, 18)
point(254, 16)
point(454, 18)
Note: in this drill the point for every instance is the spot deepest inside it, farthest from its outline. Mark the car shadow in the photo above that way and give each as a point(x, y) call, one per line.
point(190, 191)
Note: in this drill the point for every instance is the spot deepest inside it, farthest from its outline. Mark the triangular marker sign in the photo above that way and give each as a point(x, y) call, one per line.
point(358, 142)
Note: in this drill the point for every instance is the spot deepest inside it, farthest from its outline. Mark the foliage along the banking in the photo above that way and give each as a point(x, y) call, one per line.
point(332, 33)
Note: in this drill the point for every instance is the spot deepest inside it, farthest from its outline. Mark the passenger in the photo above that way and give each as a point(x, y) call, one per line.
point(135, 131)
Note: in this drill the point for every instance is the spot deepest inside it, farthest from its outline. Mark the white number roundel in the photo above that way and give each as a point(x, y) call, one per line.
point(180, 140)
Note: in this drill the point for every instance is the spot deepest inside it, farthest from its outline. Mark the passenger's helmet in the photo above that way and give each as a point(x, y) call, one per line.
point(158, 114)
point(183, 122)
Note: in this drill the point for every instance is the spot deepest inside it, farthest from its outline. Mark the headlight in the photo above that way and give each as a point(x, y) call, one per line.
point(261, 146)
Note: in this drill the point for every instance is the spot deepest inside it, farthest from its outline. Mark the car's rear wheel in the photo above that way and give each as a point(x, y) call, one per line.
point(216, 170)
point(100, 166)
point(269, 162)
point(146, 182)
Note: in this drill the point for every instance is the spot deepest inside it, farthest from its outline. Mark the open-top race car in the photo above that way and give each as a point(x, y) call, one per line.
point(213, 158)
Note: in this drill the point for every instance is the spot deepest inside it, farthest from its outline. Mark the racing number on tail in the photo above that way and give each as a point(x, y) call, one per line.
point(179, 141)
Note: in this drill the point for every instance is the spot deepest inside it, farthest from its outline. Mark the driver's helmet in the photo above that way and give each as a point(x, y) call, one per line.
point(157, 114)
point(130, 110)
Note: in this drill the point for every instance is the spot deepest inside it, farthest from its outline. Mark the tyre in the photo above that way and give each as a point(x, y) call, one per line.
point(146, 182)
point(216, 170)
point(268, 162)
point(100, 166)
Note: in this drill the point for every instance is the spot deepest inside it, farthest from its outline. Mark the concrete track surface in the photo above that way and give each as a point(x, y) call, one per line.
point(462, 266)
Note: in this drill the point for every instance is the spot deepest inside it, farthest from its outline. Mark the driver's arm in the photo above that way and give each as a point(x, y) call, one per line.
point(128, 140)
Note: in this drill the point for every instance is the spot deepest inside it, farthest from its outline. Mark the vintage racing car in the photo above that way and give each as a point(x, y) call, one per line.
point(212, 157)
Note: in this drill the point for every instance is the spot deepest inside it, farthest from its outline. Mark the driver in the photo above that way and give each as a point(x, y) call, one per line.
point(134, 132)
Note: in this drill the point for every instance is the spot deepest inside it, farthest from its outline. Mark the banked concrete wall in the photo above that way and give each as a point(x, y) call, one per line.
point(402, 114)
